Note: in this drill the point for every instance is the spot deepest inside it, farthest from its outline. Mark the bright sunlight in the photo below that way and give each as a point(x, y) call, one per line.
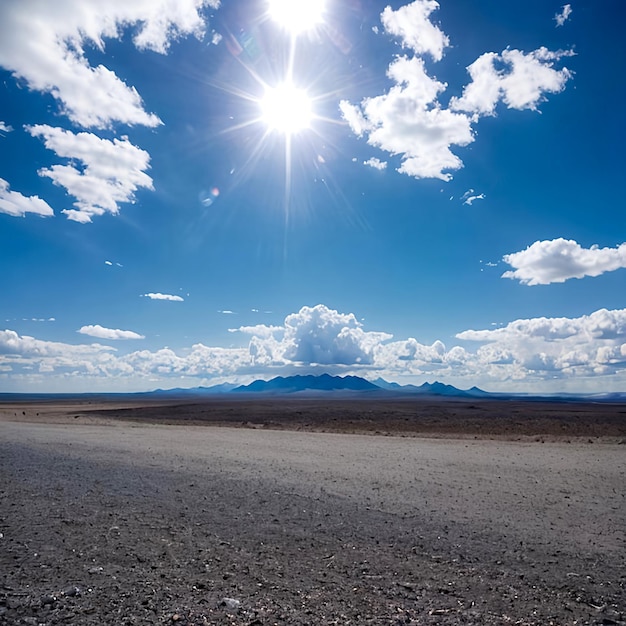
point(296, 16)
point(286, 108)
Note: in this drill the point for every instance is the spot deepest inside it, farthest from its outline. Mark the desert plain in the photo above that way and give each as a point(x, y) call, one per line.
point(310, 511)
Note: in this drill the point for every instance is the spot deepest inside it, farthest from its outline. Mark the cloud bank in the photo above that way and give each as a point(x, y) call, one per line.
point(532, 354)
point(410, 120)
point(558, 260)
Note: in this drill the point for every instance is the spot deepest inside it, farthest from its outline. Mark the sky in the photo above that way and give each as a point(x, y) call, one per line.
point(202, 192)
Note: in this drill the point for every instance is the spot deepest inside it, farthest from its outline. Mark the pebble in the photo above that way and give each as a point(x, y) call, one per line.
point(231, 603)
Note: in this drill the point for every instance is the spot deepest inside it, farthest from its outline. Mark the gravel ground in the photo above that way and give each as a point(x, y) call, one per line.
point(118, 523)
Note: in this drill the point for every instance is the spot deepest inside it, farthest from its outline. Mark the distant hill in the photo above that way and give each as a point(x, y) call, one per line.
point(298, 383)
point(433, 389)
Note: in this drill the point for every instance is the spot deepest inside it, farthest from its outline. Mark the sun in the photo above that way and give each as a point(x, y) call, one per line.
point(286, 109)
point(296, 16)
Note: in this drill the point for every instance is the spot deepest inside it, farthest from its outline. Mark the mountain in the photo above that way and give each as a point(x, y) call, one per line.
point(298, 383)
point(432, 389)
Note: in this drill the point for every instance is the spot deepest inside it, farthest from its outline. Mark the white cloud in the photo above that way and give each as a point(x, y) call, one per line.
point(589, 345)
point(520, 80)
point(377, 164)
point(558, 260)
point(43, 43)
point(16, 204)
point(536, 354)
point(564, 15)
point(163, 296)
point(258, 330)
point(470, 197)
point(415, 30)
point(111, 173)
point(108, 333)
point(409, 121)
point(5, 128)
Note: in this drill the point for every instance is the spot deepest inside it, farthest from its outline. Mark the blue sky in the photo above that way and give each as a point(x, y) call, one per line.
point(199, 192)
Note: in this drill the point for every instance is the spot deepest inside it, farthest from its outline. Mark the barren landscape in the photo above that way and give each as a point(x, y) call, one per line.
point(308, 511)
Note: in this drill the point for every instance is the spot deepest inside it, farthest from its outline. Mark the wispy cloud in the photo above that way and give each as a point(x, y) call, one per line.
point(112, 170)
point(163, 296)
point(564, 15)
point(558, 260)
point(470, 196)
point(409, 120)
point(5, 128)
point(108, 333)
point(16, 204)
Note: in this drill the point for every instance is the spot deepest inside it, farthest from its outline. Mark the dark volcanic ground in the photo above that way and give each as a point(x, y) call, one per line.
point(513, 419)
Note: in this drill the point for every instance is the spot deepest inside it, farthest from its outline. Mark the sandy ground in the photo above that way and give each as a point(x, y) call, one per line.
point(109, 522)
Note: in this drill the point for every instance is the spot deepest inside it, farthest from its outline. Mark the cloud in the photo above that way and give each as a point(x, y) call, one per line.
point(111, 173)
point(529, 354)
point(415, 30)
point(558, 260)
point(377, 164)
point(5, 128)
point(589, 345)
point(410, 121)
point(108, 333)
point(470, 197)
point(43, 44)
point(564, 15)
point(520, 80)
point(163, 296)
point(16, 204)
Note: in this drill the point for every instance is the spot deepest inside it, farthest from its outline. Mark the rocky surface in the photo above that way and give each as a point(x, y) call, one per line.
point(107, 522)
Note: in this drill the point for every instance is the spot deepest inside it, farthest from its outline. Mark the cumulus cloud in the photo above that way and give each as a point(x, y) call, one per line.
point(163, 296)
point(564, 15)
point(558, 260)
point(111, 172)
point(16, 204)
point(5, 128)
point(589, 345)
point(377, 164)
point(412, 25)
point(518, 79)
point(410, 121)
point(531, 352)
point(108, 333)
point(44, 44)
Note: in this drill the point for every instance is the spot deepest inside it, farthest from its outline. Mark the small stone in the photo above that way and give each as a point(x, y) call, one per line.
point(231, 603)
point(48, 599)
point(71, 591)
